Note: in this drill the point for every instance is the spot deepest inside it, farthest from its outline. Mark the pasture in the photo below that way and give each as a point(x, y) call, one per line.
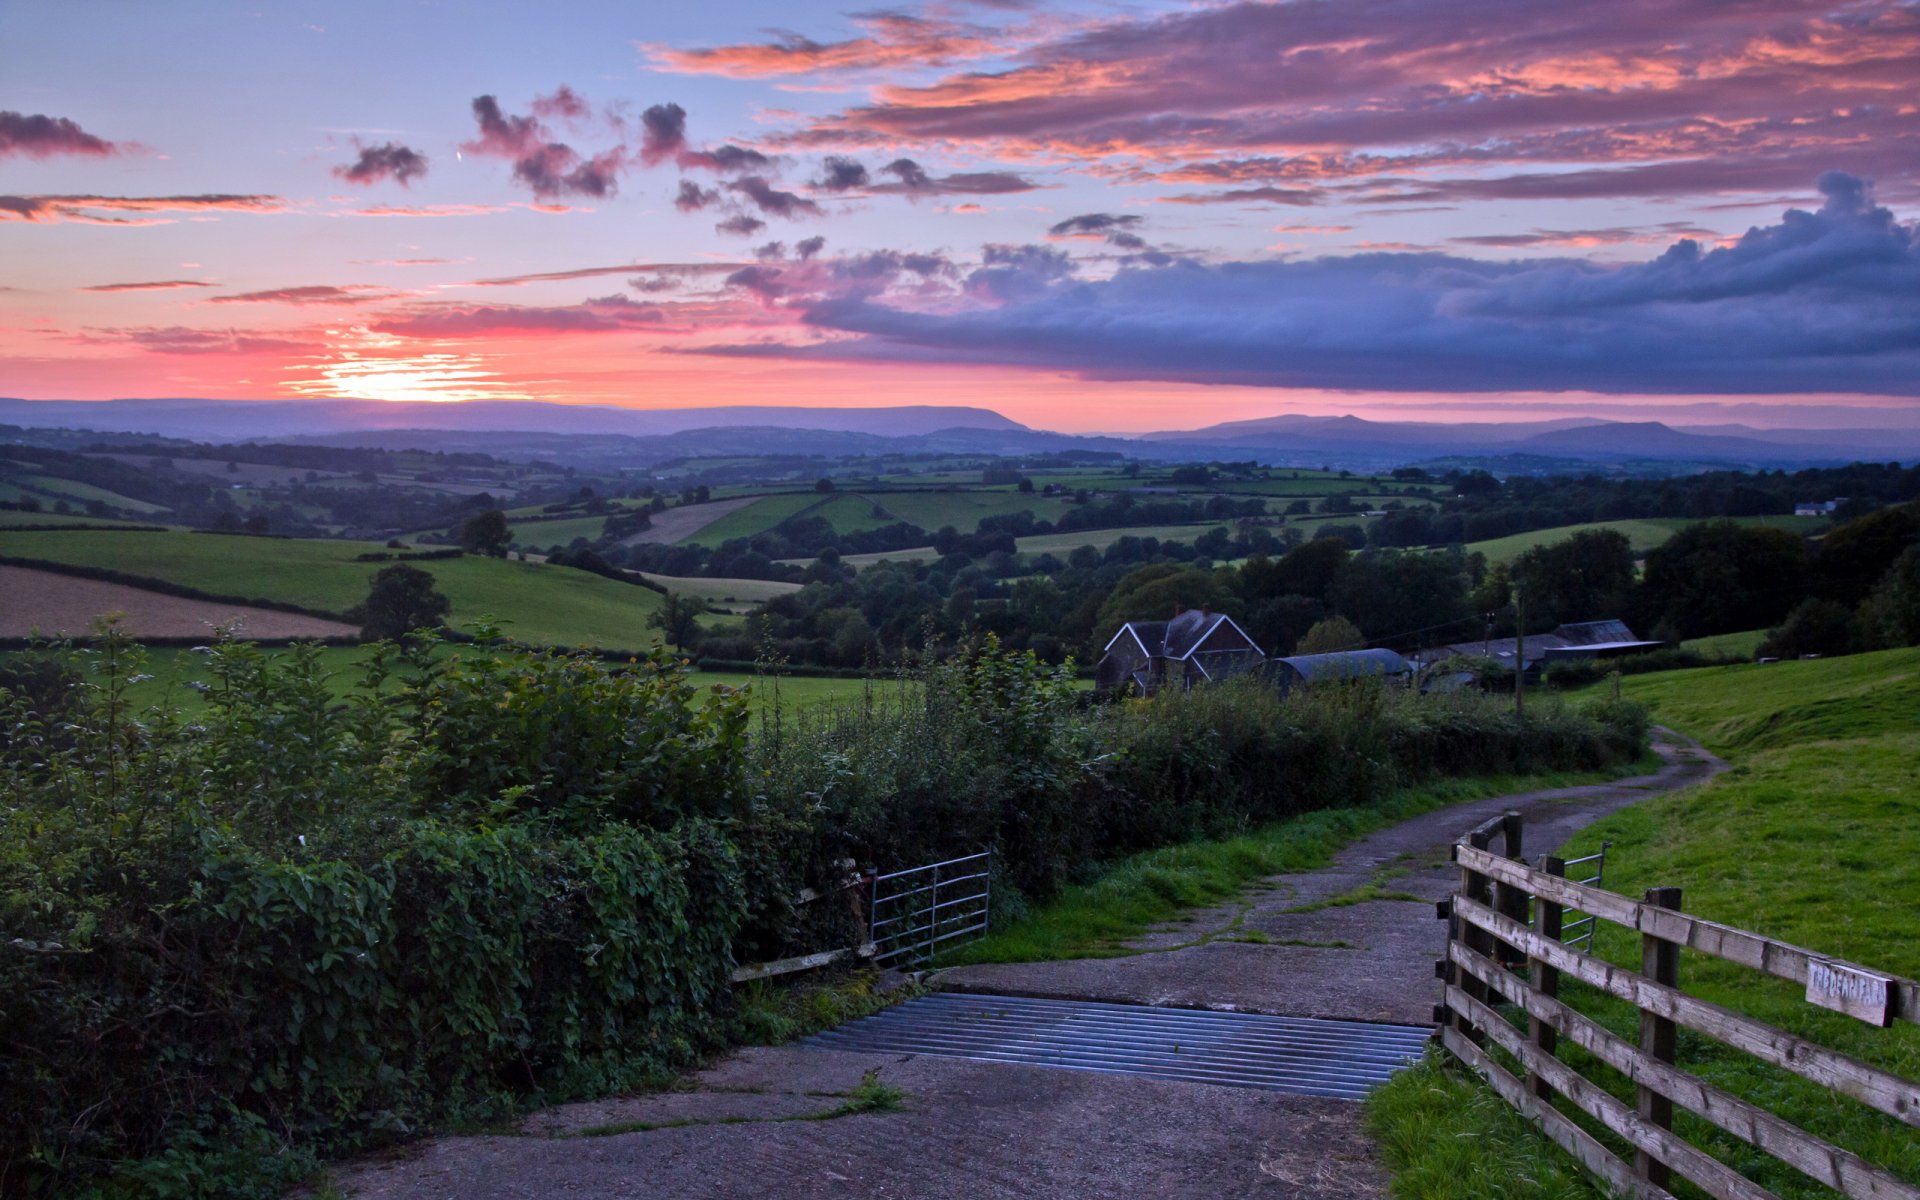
point(534, 602)
point(1643, 534)
point(1812, 838)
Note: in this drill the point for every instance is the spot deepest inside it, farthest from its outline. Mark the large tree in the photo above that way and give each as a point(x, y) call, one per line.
point(677, 619)
point(486, 533)
point(1718, 577)
point(1587, 577)
point(400, 600)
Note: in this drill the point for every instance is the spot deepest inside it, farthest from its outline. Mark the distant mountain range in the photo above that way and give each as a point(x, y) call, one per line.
point(245, 420)
point(638, 437)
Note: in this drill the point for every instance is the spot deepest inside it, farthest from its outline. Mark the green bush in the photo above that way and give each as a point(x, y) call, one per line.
point(496, 877)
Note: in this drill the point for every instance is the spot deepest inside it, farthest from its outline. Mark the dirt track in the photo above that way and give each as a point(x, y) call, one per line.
point(42, 601)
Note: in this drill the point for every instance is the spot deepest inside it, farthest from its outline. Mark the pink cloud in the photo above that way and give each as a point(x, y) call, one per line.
point(85, 209)
point(309, 295)
point(1715, 96)
point(893, 39)
point(605, 314)
point(158, 285)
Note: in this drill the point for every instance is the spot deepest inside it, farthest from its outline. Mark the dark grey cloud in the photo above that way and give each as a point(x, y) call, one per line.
point(912, 179)
point(1296, 197)
point(770, 252)
point(36, 135)
point(771, 200)
point(692, 197)
point(663, 138)
point(1094, 223)
point(1825, 301)
point(740, 225)
point(838, 174)
point(390, 160)
point(549, 168)
point(663, 133)
point(763, 282)
point(806, 248)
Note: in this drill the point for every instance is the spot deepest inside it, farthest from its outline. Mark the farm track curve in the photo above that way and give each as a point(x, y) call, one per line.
point(757, 1124)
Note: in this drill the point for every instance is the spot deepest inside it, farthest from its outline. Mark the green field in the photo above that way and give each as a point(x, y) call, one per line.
point(730, 593)
point(557, 533)
point(1644, 535)
point(1060, 544)
point(13, 518)
point(536, 603)
point(758, 517)
point(1728, 645)
point(173, 668)
point(83, 492)
point(1813, 838)
point(965, 510)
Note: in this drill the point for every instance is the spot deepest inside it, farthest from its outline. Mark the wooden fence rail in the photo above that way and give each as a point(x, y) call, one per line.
point(1504, 949)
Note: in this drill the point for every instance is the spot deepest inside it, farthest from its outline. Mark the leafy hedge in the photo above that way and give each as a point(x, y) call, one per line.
point(495, 878)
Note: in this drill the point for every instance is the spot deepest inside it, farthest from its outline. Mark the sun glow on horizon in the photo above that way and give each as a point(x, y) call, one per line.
point(370, 366)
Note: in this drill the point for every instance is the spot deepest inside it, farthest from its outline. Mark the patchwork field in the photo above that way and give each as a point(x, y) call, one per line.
point(535, 602)
point(43, 603)
point(965, 510)
point(679, 524)
point(729, 519)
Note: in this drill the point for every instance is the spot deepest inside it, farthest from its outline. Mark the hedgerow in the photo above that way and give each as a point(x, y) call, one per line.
point(243, 933)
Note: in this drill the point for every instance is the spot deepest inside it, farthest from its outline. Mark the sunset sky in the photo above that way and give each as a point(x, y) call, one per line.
point(1088, 216)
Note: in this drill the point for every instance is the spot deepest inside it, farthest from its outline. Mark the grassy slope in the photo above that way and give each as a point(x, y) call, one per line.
point(14, 519)
point(965, 510)
point(557, 533)
point(724, 591)
point(73, 489)
point(1643, 534)
point(549, 605)
point(1728, 645)
point(761, 515)
point(1061, 544)
point(1814, 838)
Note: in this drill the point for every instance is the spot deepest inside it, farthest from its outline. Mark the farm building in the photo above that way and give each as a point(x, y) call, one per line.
point(1576, 642)
point(1285, 673)
point(1194, 647)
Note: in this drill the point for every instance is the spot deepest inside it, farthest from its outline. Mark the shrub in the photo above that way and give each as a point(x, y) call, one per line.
point(297, 924)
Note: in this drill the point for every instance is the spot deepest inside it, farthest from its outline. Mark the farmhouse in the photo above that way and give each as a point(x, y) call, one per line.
point(1196, 646)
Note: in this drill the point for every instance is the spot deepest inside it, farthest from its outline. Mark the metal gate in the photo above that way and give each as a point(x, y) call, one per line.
point(912, 912)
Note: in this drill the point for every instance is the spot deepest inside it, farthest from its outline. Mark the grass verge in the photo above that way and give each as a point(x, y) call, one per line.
point(1814, 838)
point(1098, 918)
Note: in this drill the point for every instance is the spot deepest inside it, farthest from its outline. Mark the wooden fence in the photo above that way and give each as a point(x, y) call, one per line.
point(1504, 948)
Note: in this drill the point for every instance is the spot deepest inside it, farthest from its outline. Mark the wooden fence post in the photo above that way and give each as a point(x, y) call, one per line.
point(1477, 887)
point(1542, 978)
point(1660, 962)
point(1510, 901)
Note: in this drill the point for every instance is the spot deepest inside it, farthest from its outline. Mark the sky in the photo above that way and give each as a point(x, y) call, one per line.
point(1088, 216)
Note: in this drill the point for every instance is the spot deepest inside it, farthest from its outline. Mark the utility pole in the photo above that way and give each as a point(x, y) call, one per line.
point(1519, 654)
